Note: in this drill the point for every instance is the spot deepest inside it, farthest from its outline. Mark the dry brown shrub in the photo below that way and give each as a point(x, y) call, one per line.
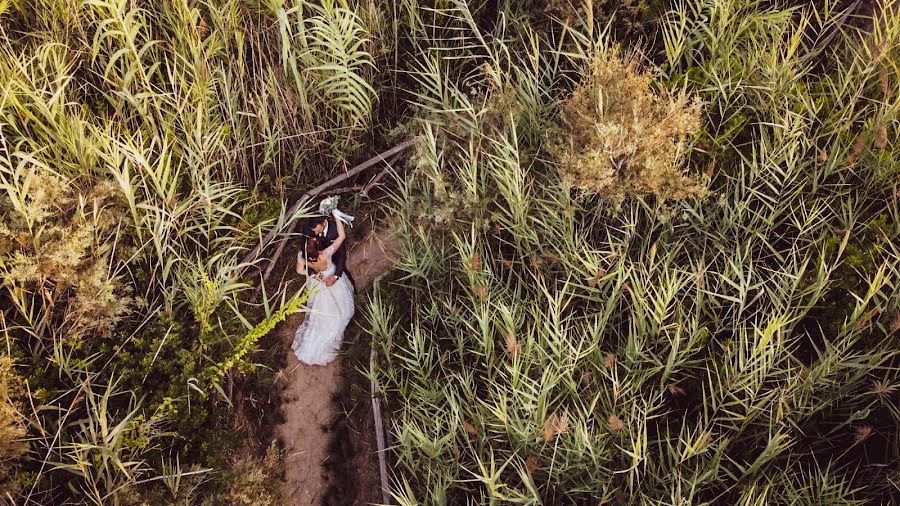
point(555, 425)
point(615, 423)
point(609, 361)
point(862, 433)
point(12, 431)
point(532, 463)
point(884, 82)
point(859, 146)
point(587, 377)
point(883, 390)
point(512, 345)
point(675, 390)
point(881, 136)
point(475, 263)
point(895, 323)
point(252, 481)
point(55, 243)
point(616, 136)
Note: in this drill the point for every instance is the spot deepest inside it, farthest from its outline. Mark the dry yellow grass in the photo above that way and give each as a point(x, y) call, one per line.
point(617, 136)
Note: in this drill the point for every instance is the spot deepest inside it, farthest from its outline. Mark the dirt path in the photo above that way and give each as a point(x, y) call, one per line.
point(307, 399)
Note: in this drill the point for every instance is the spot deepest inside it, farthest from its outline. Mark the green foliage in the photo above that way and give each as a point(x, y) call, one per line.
point(326, 49)
point(337, 42)
point(133, 139)
point(104, 453)
point(712, 352)
point(246, 344)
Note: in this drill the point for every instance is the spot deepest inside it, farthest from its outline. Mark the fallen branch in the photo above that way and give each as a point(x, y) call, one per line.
point(346, 189)
point(289, 218)
point(374, 181)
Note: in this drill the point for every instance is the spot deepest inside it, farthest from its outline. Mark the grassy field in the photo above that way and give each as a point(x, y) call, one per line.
point(655, 271)
point(651, 247)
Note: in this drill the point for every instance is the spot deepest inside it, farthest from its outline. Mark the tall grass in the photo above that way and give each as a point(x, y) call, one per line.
point(735, 349)
point(138, 146)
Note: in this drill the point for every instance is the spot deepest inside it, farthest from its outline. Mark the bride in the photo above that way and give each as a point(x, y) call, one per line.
point(318, 339)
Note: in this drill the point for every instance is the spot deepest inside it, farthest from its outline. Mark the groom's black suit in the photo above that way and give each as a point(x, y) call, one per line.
point(340, 256)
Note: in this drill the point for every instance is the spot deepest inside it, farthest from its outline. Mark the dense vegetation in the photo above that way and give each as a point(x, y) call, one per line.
point(657, 273)
point(142, 147)
point(650, 246)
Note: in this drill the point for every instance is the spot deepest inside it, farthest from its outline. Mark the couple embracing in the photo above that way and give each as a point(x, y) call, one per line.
point(322, 260)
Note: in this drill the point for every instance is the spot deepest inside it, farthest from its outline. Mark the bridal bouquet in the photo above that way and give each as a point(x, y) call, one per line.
point(329, 206)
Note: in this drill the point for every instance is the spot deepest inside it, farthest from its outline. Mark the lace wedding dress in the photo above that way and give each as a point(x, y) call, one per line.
point(318, 339)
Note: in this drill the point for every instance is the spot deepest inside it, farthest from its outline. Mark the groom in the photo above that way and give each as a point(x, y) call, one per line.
point(325, 232)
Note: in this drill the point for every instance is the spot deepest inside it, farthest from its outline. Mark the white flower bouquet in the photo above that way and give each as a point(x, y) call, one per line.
point(329, 206)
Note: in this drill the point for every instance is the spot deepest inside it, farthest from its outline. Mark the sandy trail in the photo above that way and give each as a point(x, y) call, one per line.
point(307, 399)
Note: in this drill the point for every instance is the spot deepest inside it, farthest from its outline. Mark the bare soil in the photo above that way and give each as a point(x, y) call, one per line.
point(326, 424)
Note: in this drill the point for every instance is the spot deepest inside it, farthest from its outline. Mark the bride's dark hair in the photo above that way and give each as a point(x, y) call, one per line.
point(312, 249)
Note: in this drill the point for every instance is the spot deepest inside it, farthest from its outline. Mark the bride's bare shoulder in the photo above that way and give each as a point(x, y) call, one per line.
point(321, 263)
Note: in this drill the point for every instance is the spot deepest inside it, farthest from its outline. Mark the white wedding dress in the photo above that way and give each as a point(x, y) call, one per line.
point(330, 309)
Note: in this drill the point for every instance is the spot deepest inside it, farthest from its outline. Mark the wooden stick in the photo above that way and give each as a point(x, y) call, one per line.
point(379, 425)
point(374, 181)
point(290, 217)
point(346, 189)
